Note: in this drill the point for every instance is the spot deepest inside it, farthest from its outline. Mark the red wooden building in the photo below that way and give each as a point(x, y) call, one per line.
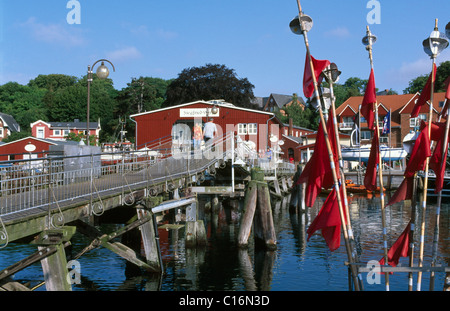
point(29, 148)
point(178, 121)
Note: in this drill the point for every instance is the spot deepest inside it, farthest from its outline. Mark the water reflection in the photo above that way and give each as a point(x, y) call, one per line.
point(296, 265)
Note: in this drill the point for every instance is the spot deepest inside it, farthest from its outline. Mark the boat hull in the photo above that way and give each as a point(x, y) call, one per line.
point(356, 154)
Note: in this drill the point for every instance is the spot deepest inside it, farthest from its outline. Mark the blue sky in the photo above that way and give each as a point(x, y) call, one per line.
point(161, 38)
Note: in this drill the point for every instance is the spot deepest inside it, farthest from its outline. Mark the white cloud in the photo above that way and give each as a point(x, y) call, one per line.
point(166, 34)
point(124, 54)
point(339, 32)
point(54, 33)
point(411, 70)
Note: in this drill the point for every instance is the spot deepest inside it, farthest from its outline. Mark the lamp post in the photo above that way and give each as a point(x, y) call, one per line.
point(432, 46)
point(102, 73)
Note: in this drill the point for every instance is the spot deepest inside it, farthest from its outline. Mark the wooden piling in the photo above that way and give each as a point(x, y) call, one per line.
point(258, 212)
point(263, 222)
point(195, 234)
point(150, 241)
point(247, 219)
point(55, 266)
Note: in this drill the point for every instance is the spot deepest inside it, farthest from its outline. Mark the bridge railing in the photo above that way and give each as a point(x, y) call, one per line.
point(47, 182)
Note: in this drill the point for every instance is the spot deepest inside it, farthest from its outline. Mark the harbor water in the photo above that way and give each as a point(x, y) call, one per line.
point(296, 265)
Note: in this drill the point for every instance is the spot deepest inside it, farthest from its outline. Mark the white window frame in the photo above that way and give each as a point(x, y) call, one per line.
point(252, 128)
point(242, 129)
point(364, 135)
point(413, 122)
point(66, 132)
point(56, 132)
point(40, 129)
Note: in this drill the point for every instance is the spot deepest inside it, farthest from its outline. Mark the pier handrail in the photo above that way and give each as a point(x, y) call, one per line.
point(24, 184)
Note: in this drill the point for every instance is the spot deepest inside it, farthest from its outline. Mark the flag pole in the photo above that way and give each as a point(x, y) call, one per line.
point(330, 152)
point(427, 164)
point(439, 200)
point(380, 172)
point(329, 77)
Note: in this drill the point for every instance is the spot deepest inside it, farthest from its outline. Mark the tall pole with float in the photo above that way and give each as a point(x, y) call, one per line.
point(432, 46)
point(304, 23)
point(368, 41)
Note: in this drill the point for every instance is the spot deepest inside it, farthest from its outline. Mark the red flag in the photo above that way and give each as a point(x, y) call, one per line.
point(438, 159)
point(370, 98)
point(404, 191)
point(317, 173)
point(447, 84)
point(399, 249)
point(425, 95)
point(421, 151)
point(447, 97)
point(308, 82)
point(329, 221)
point(370, 179)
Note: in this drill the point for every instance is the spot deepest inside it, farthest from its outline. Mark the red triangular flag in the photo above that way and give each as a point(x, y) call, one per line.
point(425, 95)
point(419, 154)
point(370, 179)
point(329, 221)
point(438, 159)
point(399, 249)
point(403, 192)
point(308, 82)
point(447, 97)
point(317, 173)
point(370, 99)
point(447, 84)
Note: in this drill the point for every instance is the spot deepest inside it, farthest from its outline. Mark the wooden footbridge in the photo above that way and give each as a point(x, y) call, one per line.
point(45, 201)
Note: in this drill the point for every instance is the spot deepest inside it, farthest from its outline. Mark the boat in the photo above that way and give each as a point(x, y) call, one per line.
point(431, 183)
point(354, 188)
point(409, 140)
point(362, 153)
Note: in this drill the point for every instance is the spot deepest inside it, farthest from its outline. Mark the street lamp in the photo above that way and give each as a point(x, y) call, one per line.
point(102, 73)
point(435, 43)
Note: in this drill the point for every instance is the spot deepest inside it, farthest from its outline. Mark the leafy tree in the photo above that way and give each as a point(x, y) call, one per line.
point(52, 82)
point(23, 102)
point(209, 82)
point(307, 118)
point(417, 84)
point(17, 135)
point(81, 137)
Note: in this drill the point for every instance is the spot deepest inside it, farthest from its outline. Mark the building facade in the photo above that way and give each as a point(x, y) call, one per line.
point(59, 130)
point(178, 121)
point(8, 125)
point(400, 107)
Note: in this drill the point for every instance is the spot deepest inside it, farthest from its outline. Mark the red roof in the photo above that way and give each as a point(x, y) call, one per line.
point(398, 104)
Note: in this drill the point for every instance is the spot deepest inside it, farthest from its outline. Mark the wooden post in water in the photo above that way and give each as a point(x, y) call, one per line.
point(56, 274)
point(263, 224)
point(150, 240)
point(258, 213)
point(247, 219)
point(195, 228)
point(276, 185)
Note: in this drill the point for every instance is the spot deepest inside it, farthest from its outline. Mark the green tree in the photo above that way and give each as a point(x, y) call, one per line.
point(207, 83)
point(53, 82)
point(22, 102)
point(417, 84)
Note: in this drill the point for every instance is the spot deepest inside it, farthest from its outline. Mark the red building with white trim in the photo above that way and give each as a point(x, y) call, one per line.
point(250, 125)
point(60, 130)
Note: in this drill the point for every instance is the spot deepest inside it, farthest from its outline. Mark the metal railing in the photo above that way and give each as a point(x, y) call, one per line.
point(48, 182)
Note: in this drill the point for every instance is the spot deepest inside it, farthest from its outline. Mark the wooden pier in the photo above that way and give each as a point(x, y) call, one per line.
point(48, 205)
